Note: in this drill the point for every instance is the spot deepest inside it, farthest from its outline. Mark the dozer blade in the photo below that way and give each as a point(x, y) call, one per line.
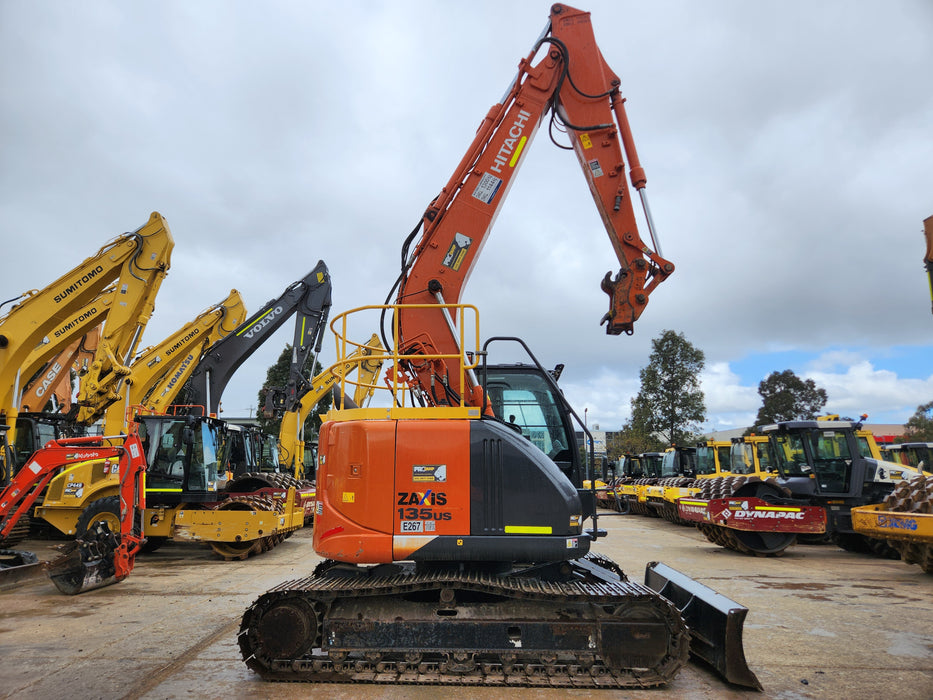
point(87, 563)
point(17, 566)
point(715, 622)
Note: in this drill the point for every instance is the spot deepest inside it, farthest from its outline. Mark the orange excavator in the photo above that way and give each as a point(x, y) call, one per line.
point(54, 379)
point(453, 521)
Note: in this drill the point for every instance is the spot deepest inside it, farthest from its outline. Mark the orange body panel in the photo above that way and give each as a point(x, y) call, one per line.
point(353, 522)
point(385, 498)
point(432, 482)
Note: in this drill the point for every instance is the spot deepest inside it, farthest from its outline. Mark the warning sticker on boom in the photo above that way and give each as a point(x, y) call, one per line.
point(457, 251)
point(488, 185)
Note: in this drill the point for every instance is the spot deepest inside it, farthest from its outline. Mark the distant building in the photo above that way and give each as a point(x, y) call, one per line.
point(599, 442)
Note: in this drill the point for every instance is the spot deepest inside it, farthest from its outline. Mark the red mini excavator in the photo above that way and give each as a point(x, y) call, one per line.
point(104, 555)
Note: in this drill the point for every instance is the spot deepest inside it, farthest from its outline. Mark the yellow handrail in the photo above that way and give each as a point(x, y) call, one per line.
point(467, 316)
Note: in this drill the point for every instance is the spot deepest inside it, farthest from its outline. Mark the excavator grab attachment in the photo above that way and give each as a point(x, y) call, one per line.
point(715, 622)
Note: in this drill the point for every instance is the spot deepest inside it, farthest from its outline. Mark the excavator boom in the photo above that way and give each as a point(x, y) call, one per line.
point(309, 298)
point(928, 258)
point(575, 91)
point(134, 264)
point(159, 372)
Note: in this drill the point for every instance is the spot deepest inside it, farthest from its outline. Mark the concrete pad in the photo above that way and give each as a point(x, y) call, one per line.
point(823, 623)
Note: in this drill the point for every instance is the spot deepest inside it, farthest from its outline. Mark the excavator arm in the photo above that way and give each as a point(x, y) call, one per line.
point(159, 372)
point(928, 258)
point(121, 334)
point(309, 298)
point(291, 428)
point(574, 90)
point(134, 263)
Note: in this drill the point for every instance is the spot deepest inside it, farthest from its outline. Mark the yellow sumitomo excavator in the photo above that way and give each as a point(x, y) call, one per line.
point(118, 283)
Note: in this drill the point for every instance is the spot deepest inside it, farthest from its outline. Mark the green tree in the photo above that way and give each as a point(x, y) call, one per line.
point(633, 440)
point(785, 396)
point(919, 427)
point(670, 405)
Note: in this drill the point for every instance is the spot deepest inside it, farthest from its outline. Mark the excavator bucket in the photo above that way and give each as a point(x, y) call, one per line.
point(715, 622)
point(87, 563)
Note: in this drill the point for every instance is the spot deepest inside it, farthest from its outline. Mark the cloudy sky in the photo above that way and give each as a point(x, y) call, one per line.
point(788, 147)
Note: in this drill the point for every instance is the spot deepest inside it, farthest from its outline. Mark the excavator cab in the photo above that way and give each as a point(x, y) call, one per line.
point(522, 397)
point(527, 398)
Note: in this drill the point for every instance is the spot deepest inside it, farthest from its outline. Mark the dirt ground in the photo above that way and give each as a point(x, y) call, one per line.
point(823, 623)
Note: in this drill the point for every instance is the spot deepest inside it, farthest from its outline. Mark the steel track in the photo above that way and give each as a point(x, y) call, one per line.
point(281, 634)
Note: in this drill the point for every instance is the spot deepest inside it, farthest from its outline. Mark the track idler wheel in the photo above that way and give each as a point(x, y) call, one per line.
point(277, 627)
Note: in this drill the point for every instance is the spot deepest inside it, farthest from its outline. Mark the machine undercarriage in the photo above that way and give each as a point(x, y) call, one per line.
point(578, 623)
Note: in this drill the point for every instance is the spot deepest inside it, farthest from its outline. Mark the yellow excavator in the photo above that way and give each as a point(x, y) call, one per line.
point(86, 491)
point(193, 492)
point(132, 267)
point(905, 518)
